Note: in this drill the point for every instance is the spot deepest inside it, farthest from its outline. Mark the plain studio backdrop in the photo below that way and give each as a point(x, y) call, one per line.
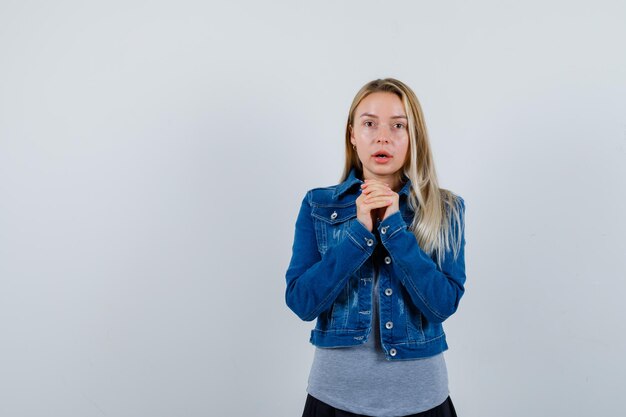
point(153, 156)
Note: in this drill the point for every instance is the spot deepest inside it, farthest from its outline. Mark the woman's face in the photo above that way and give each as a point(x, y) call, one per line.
point(380, 134)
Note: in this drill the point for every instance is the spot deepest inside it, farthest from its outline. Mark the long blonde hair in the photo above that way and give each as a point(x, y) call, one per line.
point(437, 223)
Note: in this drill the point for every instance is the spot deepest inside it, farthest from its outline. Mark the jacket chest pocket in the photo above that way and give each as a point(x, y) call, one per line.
point(331, 224)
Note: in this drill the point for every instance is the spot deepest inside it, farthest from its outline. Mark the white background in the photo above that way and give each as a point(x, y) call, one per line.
point(153, 156)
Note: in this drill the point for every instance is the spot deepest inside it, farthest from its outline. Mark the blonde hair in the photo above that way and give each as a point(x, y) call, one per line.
point(438, 221)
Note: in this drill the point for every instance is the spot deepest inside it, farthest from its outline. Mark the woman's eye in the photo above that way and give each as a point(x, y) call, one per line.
point(369, 123)
point(399, 126)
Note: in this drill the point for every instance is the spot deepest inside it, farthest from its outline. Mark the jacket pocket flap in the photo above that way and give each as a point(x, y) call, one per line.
point(334, 215)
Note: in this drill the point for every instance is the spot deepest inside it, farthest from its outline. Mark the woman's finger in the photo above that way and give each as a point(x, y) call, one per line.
point(377, 194)
point(370, 189)
point(378, 202)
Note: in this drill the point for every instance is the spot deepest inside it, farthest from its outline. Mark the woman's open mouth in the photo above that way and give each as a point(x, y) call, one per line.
point(382, 157)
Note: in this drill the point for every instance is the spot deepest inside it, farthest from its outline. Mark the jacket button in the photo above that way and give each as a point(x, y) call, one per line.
point(334, 215)
point(370, 242)
point(392, 352)
point(384, 230)
point(387, 260)
point(388, 292)
point(389, 325)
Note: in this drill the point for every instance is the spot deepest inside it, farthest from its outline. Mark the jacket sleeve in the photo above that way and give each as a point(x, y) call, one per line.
point(435, 291)
point(314, 281)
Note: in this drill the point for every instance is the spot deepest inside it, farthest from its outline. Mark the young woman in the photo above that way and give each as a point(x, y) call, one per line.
point(378, 260)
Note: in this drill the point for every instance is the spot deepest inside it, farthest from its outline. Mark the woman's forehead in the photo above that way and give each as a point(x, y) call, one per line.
point(381, 104)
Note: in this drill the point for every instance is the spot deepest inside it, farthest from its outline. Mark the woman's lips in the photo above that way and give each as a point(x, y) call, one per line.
point(382, 158)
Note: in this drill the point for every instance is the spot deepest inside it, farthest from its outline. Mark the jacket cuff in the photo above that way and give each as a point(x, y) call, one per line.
point(390, 226)
point(362, 237)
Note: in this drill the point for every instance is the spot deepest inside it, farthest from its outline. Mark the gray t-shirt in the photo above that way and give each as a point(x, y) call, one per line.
point(360, 380)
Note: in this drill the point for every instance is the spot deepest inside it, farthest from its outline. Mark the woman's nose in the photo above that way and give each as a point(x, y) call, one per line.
point(382, 139)
point(384, 135)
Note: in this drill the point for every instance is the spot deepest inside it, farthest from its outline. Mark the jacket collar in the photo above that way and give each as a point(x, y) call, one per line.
point(353, 180)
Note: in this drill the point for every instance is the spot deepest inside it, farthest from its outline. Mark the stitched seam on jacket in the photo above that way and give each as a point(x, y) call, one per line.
point(416, 342)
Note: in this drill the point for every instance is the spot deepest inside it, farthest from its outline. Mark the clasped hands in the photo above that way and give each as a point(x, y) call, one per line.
point(377, 201)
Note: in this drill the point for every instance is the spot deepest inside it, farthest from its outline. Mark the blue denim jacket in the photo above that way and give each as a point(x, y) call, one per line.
point(334, 259)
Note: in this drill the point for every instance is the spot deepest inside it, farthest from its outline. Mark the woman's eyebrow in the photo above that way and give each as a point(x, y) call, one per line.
point(373, 115)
